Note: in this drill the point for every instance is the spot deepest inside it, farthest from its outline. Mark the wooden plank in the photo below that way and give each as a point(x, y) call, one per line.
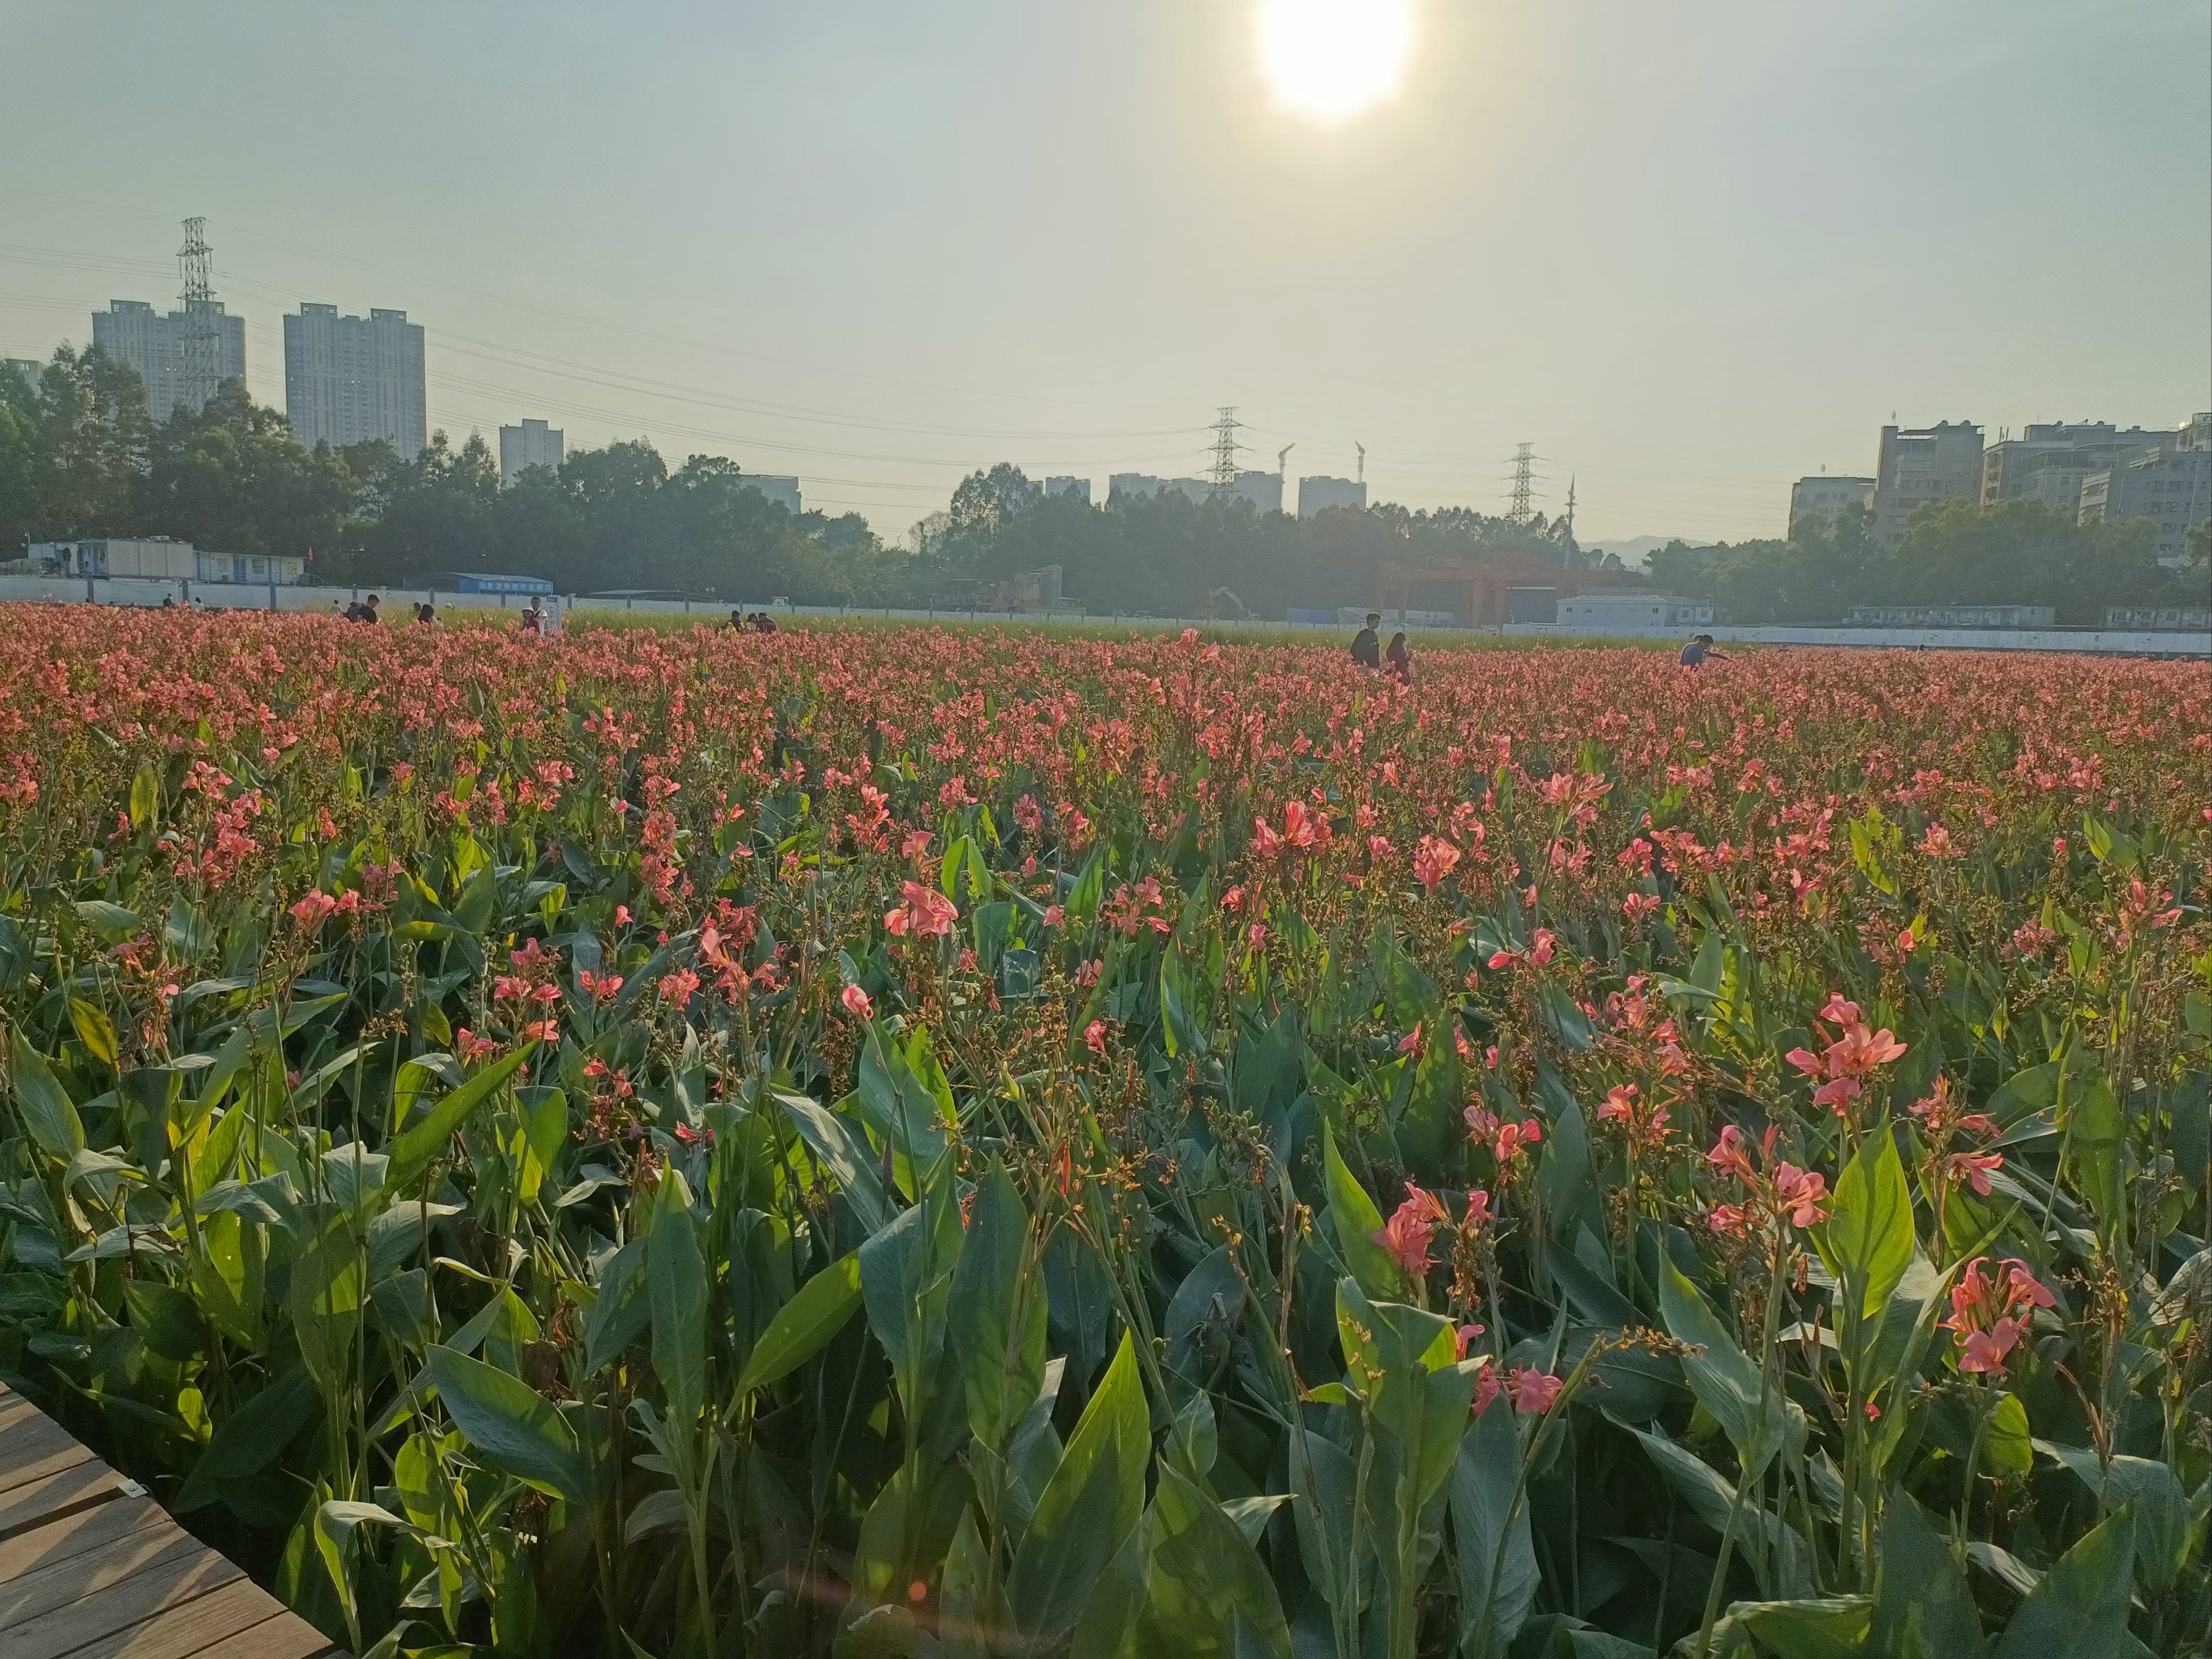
point(284, 1636)
point(33, 1446)
point(39, 1502)
point(90, 1572)
point(184, 1631)
point(39, 1593)
point(75, 1534)
point(170, 1580)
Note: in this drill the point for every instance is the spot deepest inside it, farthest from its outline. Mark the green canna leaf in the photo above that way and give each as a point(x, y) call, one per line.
point(1868, 1240)
point(510, 1425)
point(675, 1275)
point(1923, 1608)
point(418, 1144)
point(2079, 1609)
point(1093, 1501)
point(47, 1111)
point(1497, 1573)
point(1727, 1382)
point(805, 1325)
point(997, 1314)
point(1206, 1579)
point(1354, 1219)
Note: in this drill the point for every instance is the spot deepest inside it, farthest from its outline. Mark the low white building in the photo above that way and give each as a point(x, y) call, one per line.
point(1607, 612)
point(1067, 484)
point(158, 558)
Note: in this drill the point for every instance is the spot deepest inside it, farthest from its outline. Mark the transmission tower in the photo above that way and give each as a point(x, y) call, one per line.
point(1571, 506)
point(1225, 426)
point(1362, 449)
point(202, 347)
point(1524, 458)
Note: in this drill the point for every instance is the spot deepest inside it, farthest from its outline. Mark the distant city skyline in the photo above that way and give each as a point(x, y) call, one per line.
point(874, 251)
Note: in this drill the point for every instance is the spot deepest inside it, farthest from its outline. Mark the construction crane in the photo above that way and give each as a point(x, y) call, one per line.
point(1283, 458)
point(1362, 449)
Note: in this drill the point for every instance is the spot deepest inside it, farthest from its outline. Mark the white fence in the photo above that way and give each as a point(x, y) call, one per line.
point(397, 602)
point(2099, 642)
point(394, 602)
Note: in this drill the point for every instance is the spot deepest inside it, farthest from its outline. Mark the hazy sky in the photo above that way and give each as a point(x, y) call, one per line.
point(1691, 249)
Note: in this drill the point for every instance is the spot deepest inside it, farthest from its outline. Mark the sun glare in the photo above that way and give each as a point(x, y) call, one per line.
point(1331, 58)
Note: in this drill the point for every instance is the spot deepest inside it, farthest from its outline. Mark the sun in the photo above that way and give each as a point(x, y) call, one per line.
point(1331, 58)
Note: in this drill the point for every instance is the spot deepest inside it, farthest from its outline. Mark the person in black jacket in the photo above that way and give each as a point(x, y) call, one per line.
point(1367, 644)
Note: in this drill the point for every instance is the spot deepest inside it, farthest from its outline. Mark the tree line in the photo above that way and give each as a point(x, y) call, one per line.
point(2016, 552)
point(79, 455)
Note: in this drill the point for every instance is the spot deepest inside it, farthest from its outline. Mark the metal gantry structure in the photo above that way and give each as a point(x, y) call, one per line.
point(1225, 426)
point(1524, 478)
point(201, 355)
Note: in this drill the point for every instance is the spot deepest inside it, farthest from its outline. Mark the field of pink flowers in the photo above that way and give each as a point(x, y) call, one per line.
point(914, 1142)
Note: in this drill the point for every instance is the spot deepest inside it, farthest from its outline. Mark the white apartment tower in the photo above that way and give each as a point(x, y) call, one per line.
point(531, 444)
point(159, 347)
point(350, 378)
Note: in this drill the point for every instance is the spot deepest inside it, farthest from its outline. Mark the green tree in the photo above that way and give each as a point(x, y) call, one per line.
point(2025, 553)
point(89, 453)
point(233, 477)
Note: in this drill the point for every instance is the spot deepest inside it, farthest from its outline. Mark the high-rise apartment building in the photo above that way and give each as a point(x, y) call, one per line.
point(1065, 484)
point(1263, 490)
point(350, 378)
point(783, 491)
point(29, 367)
point(1923, 466)
point(531, 444)
point(1816, 502)
point(2170, 485)
point(1320, 493)
point(2048, 463)
point(182, 356)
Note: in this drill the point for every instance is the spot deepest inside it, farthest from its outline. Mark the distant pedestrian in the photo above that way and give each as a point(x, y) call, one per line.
point(763, 623)
point(339, 610)
point(533, 617)
point(1400, 658)
point(1699, 650)
point(1367, 643)
point(426, 614)
point(739, 621)
point(363, 610)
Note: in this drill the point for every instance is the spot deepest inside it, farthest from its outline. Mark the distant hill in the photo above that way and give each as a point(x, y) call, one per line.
point(1634, 549)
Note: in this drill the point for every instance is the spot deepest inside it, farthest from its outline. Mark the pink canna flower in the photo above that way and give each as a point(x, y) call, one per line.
point(856, 1003)
point(1800, 1192)
point(1433, 861)
point(1534, 1390)
point(1406, 1235)
point(1974, 1169)
point(1487, 1388)
point(1990, 1314)
point(1094, 1037)
point(927, 913)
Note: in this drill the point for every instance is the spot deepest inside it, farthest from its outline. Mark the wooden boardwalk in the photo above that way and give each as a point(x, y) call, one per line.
point(90, 1568)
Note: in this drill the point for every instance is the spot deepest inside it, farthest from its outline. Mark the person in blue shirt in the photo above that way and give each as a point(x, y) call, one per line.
point(1699, 650)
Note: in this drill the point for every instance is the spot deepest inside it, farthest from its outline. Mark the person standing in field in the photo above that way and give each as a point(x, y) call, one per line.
point(1699, 650)
point(1367, 643)
point(1400, 656)
point(533, 617)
